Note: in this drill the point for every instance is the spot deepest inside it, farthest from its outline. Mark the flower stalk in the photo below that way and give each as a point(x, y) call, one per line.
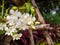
point(2, 7)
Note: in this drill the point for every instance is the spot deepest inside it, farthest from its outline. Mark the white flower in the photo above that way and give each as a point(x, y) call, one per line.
point(26, 27)
point(11, 23)
point(14, 22)
point(18, 14)
point(8, 17)
point(11, 11)
point(27, 15)
point(10, 31)
point(14, 18)
point(29, 22)
point(16, 36)
point(33, 18)
point(6, 28)
point(18, 24)
point(13, 30)
point(16, 11)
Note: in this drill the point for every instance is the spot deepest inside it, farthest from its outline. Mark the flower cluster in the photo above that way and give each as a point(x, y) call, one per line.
point(16, 21)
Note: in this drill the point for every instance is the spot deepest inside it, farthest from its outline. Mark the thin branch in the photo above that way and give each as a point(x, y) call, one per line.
point(43, 26)
point(41, 19)
point(6, 39)
point(31, 38)
point(48, 38)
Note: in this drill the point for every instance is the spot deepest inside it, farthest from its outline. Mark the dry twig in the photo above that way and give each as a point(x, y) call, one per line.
point(41, 19)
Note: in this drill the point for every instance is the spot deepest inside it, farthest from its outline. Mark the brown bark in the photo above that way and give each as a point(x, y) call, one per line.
point(31, 38)
point(41, 19)
point(5, 40)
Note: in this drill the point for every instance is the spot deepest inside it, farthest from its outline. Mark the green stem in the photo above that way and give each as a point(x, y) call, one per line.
point(2, 7)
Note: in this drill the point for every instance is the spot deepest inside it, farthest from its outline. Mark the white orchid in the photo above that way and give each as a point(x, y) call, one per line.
point(8, 17)
point(16, 19)
point(10, 31)
point(16, 36)
point(11, 11)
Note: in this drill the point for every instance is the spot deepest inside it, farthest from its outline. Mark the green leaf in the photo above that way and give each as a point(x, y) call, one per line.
point(42, 43)
point(2, 32)
point(28, 7)
point(6, 13)
point(55, 19)
point(32, 9)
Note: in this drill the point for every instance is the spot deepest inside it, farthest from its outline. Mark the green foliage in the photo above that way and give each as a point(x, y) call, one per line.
point(1, 15)
point(6, 12)
point(27, 8)
point(3, 7)
point(46, 8)
point(3, 12)
point(2, 32)
point(57, 44)
point(55, 19)
point(41, 43)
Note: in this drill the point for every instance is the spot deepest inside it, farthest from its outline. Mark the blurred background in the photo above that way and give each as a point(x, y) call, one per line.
point(50, 10)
